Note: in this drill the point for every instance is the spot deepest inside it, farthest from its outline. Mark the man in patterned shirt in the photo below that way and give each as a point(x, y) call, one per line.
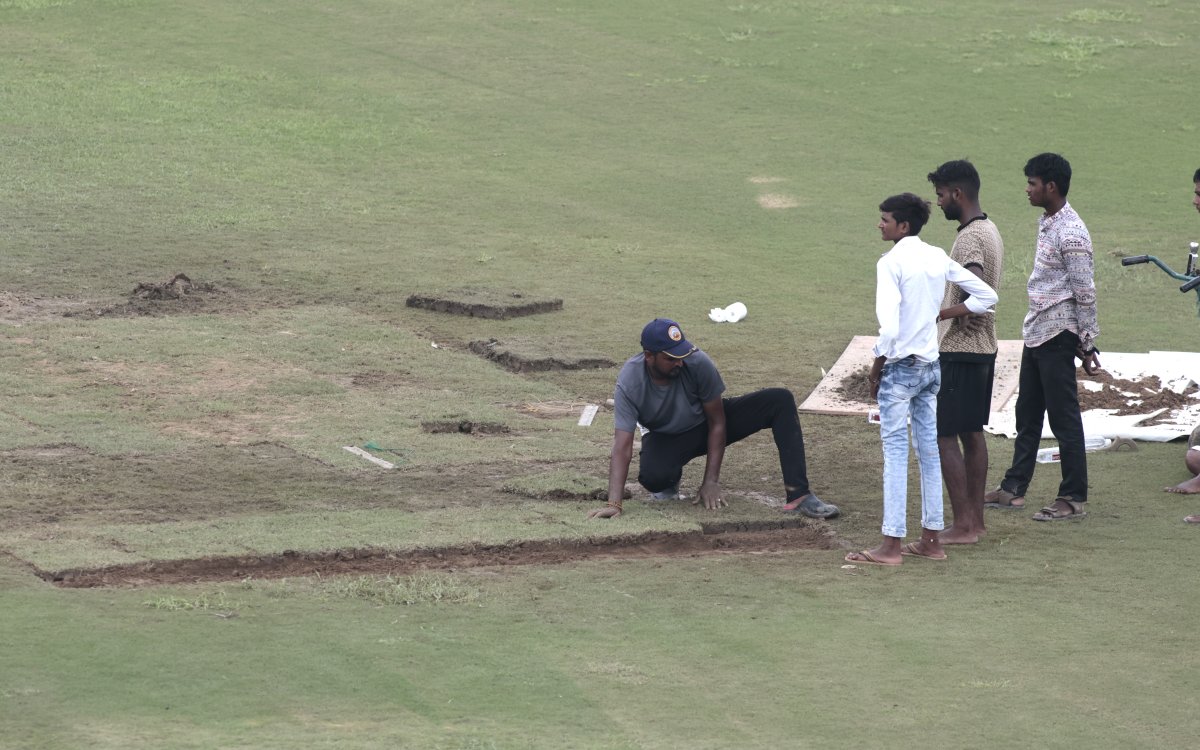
point(967, 353)
point(1060, 326)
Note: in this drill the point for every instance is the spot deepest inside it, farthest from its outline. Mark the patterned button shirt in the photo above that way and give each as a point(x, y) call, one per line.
point(1062, 293)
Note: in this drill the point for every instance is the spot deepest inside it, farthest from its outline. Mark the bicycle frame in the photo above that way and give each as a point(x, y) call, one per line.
point(1190, 278)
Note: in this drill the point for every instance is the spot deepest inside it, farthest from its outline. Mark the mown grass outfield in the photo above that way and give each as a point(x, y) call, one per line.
point(309, 166)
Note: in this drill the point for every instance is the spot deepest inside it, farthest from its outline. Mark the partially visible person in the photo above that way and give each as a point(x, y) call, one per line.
point(1060, 326)
point(910, 283)
point(1192, 458)
point(1191, 486)
point(967, 353)
point(673, 389)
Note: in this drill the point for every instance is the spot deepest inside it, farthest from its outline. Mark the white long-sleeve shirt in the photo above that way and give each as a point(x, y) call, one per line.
point(910, 283)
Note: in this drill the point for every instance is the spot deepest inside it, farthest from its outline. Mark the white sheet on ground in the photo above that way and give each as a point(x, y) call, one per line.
point(1176, 371)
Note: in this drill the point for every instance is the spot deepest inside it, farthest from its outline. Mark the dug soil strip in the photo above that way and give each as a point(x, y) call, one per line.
point(480, 305)
point(782, 535)
point(517, 362)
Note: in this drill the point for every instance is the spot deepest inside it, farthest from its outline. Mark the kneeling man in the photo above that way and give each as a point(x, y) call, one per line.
point(674, 390)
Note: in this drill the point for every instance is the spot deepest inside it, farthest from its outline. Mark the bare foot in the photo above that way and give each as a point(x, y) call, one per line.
point(954, 535)
point(1190, 487)
point(873, 557)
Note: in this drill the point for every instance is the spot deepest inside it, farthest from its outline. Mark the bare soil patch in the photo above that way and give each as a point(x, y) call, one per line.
point(477, 303)
point(777, 200)
point(784, 535)
point(465, 426)
point(54, 452)
point(551, 409)
point(19, 309)
point(524, 360)
point(561, 493)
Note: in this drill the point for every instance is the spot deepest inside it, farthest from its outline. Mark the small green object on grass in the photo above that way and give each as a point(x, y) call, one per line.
point(373, 446)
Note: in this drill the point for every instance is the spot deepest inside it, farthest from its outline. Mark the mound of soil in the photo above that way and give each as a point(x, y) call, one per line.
point(856, 386)
point(524, 362)
point(178, 294)
point(178, 287)
point(483, 304)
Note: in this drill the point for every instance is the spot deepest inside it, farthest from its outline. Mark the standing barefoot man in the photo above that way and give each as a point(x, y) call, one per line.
point(967, 353)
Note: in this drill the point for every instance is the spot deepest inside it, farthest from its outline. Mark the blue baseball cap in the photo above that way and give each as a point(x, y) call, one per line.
point(662, 335)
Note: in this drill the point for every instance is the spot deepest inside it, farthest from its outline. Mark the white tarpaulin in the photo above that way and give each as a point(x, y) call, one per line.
point(1175, 370)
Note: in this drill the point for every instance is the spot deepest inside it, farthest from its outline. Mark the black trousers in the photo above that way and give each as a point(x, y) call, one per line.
point(1048, 387)
point(664, 456)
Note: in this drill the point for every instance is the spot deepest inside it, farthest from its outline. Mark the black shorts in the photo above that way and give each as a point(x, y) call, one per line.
point(965, 400)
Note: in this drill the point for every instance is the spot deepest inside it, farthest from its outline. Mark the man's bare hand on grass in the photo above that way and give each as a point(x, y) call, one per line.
point(608, 511)
point(710, 495)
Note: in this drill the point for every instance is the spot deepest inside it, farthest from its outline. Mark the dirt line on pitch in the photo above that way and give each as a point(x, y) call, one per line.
point(784, 535)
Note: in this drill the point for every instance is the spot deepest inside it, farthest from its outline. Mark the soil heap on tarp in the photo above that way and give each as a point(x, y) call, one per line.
point(856, 386)
point(1149, 395)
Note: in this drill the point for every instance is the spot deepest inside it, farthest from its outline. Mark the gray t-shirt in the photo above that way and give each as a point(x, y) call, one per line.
point(673, 408)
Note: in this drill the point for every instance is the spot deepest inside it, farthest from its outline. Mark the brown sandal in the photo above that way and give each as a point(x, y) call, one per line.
point(1055, 512)
point(1004, 500)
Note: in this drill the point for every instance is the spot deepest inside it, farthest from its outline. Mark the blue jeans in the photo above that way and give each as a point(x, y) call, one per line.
point(909, 387)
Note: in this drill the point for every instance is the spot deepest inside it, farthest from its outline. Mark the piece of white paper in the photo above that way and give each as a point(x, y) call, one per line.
point(589, 413)
point(373, 459)
point(730, 314)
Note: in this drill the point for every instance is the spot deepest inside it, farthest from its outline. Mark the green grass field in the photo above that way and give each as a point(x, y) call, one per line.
point(312, 165)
